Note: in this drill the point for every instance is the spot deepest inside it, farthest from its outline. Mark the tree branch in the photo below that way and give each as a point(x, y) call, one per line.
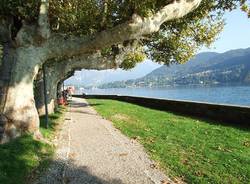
point(134, 29)
point(96, 61)
point(43, 20)
point(5, 29)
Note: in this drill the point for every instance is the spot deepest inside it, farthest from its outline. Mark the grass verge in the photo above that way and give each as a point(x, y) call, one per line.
point(25, 156)
point(195, 151)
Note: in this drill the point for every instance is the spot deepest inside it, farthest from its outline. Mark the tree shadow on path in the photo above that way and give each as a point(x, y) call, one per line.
point(69, 173)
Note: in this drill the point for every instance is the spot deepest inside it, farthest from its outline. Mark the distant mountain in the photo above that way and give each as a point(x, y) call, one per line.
point(95, 78)
point(209, 68)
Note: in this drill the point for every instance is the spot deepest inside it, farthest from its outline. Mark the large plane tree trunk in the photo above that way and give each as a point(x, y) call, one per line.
point(39, 97)
point(40, 100)
point(18, 113)
point(55, 74)
point(51, 96)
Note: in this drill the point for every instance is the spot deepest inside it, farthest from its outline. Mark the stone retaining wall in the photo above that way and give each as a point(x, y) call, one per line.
point(239, 115)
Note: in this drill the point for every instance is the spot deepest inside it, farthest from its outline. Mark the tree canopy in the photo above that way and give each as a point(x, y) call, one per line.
point(176, 41)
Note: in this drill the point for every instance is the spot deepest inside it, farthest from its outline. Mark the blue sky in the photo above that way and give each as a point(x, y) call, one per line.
point(236, 33)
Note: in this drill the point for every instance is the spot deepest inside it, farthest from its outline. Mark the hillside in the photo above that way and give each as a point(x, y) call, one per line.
point(95, 78)
point(209, 68)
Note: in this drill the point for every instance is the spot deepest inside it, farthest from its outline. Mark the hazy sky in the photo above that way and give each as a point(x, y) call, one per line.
point(236, 33)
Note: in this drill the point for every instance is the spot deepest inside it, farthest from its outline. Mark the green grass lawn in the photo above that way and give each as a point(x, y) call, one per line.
point(189, 149)
point(25, 157)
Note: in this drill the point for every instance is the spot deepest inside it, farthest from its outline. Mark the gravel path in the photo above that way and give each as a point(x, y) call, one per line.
point(91, 151)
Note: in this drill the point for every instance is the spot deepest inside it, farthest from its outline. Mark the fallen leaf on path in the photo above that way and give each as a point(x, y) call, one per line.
point(165, 182)
point(123, 154)
point(152, 166)
point(72, 155)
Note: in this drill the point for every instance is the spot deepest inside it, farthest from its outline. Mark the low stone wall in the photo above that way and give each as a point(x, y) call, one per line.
point(239, 115)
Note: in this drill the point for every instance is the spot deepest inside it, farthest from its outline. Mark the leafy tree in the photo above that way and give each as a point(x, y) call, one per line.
point(33, 32)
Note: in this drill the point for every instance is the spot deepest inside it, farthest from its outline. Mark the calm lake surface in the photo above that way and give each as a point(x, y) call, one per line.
point(235, 95)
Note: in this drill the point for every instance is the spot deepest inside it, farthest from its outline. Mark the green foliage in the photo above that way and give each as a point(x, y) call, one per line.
point(193, 150)
point(177, 41)
point(87, 17)
point(180, 41)
point(106, 51)
point(132, 59)
point(20, 9)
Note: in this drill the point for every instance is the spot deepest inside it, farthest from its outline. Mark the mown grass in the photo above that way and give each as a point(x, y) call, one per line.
point(196, 151)
point(24, 157)
point(53, 122)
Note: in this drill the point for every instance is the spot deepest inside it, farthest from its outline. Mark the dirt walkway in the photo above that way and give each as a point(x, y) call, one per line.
point(90, 151)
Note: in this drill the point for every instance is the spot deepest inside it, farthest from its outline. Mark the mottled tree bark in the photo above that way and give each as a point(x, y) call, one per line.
point(18, 112)
point(39, 96)
point(57, 72)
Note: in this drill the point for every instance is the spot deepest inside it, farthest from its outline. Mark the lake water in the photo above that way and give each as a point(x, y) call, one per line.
point(235, 95)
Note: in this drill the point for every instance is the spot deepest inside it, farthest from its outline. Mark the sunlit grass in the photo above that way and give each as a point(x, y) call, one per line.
point(20, 158)
point(53, 122)
point(189, 149)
